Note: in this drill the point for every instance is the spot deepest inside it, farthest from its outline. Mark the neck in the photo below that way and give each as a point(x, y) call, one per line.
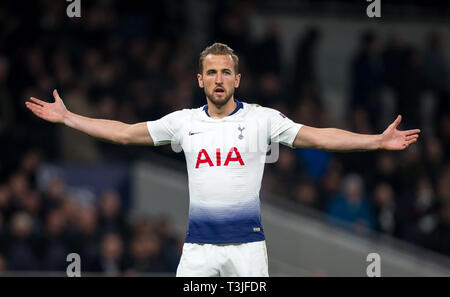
point(220, 112)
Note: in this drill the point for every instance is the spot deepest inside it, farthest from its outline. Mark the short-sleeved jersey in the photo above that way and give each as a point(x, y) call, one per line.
point(225, 162)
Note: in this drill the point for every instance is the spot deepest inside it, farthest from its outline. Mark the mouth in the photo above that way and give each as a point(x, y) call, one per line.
point(219, 91)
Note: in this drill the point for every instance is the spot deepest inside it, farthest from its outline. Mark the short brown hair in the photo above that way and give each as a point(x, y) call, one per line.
point(218, 49)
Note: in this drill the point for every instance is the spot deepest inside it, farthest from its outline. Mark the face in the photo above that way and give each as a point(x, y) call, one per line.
point(218, 78)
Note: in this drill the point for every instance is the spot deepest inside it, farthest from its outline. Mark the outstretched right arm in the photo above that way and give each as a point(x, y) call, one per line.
point(112, 131)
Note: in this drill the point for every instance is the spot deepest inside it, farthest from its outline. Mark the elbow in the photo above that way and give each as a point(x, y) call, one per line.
point(122, 139)
point(327, 146)
point(124, 135)
point(125, 141)
point(320, 145)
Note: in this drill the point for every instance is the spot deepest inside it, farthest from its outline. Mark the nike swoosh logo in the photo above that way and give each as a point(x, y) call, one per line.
point(193, 133)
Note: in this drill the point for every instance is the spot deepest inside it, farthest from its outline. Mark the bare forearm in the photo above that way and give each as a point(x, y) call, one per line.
point(112, 131)
point(339, 140)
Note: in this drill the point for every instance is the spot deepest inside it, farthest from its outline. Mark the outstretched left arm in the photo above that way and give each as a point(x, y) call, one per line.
point(332, 139)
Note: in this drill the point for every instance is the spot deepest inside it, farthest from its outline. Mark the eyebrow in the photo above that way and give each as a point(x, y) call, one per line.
point(215, 70)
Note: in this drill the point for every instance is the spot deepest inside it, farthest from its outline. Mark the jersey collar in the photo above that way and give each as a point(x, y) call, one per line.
point(239, 106)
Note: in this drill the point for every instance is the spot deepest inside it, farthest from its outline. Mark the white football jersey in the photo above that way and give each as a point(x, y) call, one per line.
point(225, 162)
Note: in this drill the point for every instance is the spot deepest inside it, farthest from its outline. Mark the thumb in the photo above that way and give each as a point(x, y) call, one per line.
point(56, 95)
point(397, 121)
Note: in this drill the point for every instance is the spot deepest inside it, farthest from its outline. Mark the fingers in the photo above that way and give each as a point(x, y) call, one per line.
point(35, 108)
point(37, 101)
point(412, 132)
point(411, 137)
point(408, 142)
point(43, 103)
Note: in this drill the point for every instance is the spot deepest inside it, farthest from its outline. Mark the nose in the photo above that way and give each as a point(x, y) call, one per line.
point(219, 78)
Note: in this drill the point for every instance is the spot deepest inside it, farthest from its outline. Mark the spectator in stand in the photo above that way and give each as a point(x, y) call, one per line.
point(268, 51)
point(20, 254)
point(351, 208)
point(305, 73)
point(111, 259)
point(367, 78)
point(330, 184)
point(439, 239)
point(282, 174)
point(392, 62)
point(88, 237)
point(145, 255)
point(435, 68)
point(111, 216)
point(434, 157)
point(306, 194)
point(412, 87)
point(420, 214)
point(54, 195)
point(385, 209)
point(171, 244)
point(55, 244)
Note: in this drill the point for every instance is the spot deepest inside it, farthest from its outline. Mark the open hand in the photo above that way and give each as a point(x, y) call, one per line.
point(393, 139)
point(52, 112)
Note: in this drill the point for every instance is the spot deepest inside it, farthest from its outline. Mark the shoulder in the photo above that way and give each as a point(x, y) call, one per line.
point(266, 111)
point(181, 114)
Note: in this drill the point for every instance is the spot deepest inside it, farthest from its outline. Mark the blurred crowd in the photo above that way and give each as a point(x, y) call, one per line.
point(404, 194)
point(121, 62)
point(39, 228)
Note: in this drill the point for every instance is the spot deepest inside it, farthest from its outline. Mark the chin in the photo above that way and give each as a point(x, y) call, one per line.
point(220, 101)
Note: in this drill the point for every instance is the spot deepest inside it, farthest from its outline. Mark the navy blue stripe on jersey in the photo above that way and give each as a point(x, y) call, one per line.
point(227, 224)
point(239, 106)
point(237, 230)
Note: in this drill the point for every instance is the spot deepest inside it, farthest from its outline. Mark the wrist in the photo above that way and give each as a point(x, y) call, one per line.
point(66, 118)
point(379, 141)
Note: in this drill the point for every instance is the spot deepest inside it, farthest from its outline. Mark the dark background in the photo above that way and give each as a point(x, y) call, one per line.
point(136, 61)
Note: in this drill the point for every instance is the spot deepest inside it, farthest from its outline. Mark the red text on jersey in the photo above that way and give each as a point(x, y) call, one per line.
point(233, 156)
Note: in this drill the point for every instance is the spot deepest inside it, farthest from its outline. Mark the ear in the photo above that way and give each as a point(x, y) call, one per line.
point(200, 80)
point(237, 80)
